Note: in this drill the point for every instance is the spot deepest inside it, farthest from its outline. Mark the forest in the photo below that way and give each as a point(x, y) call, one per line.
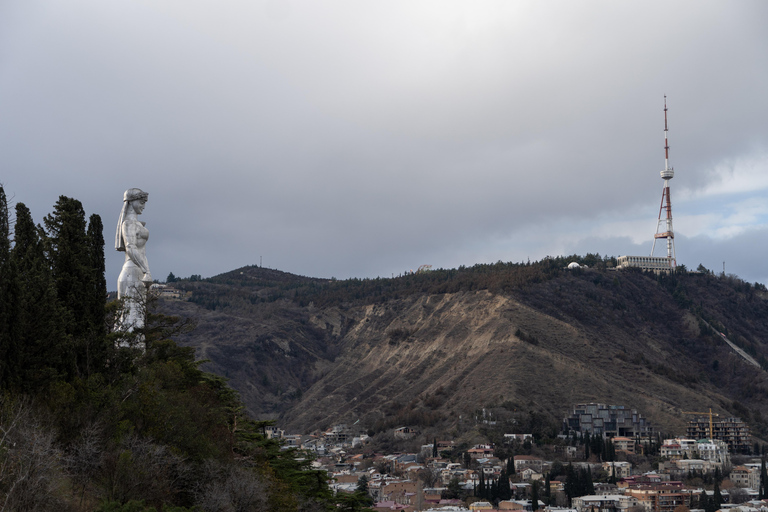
point(86, 426)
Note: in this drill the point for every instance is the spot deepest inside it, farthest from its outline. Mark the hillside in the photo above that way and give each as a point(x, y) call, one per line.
point(430, 348)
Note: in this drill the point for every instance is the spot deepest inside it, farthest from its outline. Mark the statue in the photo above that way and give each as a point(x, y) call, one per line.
point(135, 278)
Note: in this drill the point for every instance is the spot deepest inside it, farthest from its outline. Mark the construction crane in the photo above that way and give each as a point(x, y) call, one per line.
point(710, 414)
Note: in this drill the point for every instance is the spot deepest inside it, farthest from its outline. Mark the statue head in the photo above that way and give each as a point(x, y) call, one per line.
point(130, 195)
point(133, 194)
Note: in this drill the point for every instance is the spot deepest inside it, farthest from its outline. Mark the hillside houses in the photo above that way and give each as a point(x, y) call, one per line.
point(452, 475)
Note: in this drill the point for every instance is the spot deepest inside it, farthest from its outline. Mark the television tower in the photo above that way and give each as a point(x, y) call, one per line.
point(664, 225)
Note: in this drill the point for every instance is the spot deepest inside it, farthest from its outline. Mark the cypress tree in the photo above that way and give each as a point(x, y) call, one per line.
point(535, 495)
point(590, 486)
point(597, 446)
point(5, 284)
point(717, 497)
point(73, 253)
point(571, 484)
point(38, 340)
point(96, 297)
point(505, 491)
point(763, 479)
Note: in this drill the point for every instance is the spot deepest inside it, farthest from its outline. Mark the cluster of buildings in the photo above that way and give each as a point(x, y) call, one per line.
point(410, 482)
point(397, 482)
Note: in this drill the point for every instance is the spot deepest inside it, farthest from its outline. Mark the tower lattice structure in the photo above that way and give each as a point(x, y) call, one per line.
point(664, 226)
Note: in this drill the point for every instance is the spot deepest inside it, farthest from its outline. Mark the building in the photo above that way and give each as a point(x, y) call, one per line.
point(604, 503)
point(732, 431)
point(618, 469)
point(624, 444)
point(659, 498)
point(664, 229)
point(714, 451)
point(528, 462)
point(481, 451)
point(743, 476)
point(405, 432)
point(679, 448)
point(607, 421)
point(655, 263)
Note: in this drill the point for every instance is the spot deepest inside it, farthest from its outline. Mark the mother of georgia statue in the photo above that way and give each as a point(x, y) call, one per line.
point(135, 278)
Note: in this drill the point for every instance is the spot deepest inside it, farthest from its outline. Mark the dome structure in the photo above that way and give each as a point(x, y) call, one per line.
point(573, 265)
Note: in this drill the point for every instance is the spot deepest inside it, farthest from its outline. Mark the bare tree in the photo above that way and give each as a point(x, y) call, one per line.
point(84, 461)
point(231, 488)
point(142, 470)
point(428, 476)
point(30, 473)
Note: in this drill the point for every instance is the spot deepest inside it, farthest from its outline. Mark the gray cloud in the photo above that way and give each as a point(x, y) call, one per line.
point(363, 139)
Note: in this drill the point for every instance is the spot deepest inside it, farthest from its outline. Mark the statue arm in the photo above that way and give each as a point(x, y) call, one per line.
point(137, 254)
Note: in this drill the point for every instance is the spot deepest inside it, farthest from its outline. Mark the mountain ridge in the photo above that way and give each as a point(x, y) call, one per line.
point(428, 349)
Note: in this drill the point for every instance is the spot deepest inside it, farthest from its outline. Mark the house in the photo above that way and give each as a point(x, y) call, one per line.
point(405, 432)
point(273, 432)
point(511, 505)
point(714, 450)
point(618, 469)
point(481, 451)
point(402, 492)
point(530, 474)
point(604, 503)
point(660, 498)
point(388, 506)
point(521, 438)
point(624, 444)
point(743, 476)
point(527, 461)
point(679, 448)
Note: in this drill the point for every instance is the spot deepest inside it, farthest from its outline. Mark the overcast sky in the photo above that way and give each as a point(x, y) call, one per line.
point(363, 139)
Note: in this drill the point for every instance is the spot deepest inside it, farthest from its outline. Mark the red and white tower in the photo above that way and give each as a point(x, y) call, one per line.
point(664, 225)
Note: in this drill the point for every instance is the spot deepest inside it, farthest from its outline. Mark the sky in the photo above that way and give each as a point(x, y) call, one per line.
point(364, 139)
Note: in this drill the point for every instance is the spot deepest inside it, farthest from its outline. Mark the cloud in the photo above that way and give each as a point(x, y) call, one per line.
point(362, 139)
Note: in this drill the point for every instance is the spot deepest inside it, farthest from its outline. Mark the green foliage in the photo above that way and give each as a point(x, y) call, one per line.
point(144, 431)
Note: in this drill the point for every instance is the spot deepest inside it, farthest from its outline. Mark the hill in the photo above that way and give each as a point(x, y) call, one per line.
point(430, 349)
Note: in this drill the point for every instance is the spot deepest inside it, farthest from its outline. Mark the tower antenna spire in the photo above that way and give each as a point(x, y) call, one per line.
point(664, 224)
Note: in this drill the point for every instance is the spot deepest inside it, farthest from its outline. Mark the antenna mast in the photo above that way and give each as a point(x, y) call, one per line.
point(664, 224)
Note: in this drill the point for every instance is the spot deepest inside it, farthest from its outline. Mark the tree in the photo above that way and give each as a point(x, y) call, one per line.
point(5, 282)
point(571, 486)
point(453, 490)
point(556, 469)
point(535, 496)
point(36, 348)
point(763, 479)
point(482, 491)
point(30, 476)
point(96, 295)
point(76, 257)
point(717, 497)
point(504, 489)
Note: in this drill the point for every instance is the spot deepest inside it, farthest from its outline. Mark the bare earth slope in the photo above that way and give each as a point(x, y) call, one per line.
point(431, 350)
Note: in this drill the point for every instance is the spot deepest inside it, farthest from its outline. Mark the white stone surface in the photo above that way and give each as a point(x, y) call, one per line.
point(135, 278)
